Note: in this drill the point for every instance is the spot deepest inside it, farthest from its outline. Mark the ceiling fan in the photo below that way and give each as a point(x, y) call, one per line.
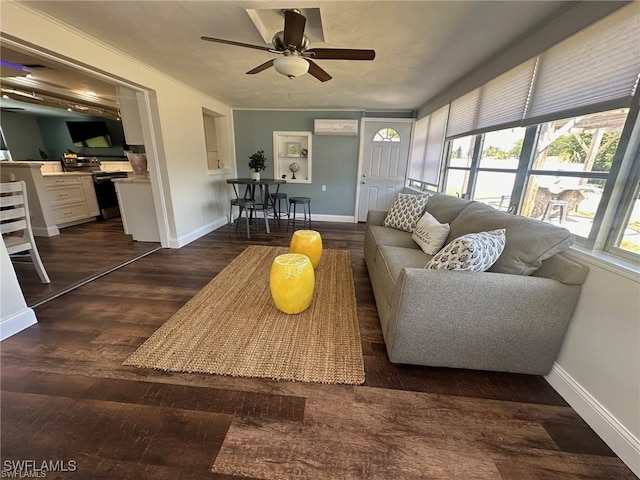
point(293, 45)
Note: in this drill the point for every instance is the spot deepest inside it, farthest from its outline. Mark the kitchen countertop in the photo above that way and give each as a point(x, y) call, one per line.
point(132, 180)
point(66, 174)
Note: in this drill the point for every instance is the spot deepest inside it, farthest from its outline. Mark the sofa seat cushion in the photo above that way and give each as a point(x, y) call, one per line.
point(390, 236)
point(391, 260)
point(528, 241)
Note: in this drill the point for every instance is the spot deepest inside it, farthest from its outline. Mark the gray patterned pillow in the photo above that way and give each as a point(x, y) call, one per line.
point(474, 252)
point(405, 211)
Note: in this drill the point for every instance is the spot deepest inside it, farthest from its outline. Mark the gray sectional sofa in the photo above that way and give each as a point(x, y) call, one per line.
point(511, 318)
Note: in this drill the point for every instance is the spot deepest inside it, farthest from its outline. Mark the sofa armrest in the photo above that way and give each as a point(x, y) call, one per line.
point(487, 321)
point(376, 217)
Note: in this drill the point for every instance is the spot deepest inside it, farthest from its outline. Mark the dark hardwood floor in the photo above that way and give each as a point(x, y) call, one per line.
point(78, 254)
point(67, 397)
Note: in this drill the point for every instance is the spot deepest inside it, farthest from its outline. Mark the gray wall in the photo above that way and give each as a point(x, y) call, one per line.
point(334, 158)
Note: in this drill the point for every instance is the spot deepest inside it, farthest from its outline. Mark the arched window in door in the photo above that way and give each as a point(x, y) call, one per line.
point(386, 135)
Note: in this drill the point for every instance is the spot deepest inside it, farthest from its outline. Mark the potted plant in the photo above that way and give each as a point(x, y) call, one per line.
point(257, 162)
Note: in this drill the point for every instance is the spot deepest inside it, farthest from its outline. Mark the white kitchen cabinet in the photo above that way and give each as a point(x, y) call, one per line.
point(137, 209)
point(130, 115)
point(90, 196)
point(292, 156)
point(42, 220)
point(72, 198)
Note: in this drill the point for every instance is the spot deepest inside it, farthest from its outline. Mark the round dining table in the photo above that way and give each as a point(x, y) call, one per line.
point(263, 185)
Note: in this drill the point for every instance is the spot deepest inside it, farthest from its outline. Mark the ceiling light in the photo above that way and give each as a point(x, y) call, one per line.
point(291, 65)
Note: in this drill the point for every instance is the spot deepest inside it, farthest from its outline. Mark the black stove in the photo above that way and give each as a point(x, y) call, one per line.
point(80, 164)
point(104, 187)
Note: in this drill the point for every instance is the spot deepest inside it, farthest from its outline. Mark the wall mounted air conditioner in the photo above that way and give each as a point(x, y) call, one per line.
point(335, 127)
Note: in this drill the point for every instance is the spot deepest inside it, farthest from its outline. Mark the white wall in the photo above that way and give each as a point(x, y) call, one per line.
point(598, 369)
point(14, 313)
point(196, 202)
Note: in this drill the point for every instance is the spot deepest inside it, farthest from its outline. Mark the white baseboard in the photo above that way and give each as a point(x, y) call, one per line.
point(196, 234)
point(333, 218)
point(17, 322)
point(45, 231)
point(612, 432)
point(318, 217)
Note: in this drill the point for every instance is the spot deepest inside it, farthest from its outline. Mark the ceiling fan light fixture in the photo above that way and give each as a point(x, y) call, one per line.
point(291, 65)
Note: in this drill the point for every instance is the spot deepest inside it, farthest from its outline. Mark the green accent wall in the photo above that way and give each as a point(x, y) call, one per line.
point(334, 158)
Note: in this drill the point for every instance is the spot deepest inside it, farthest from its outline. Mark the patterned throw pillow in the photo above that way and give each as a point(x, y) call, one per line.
point(405, 211)
point(430, 234)
point(474, 252)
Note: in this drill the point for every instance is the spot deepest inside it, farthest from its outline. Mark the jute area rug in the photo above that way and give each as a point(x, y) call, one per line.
point(232, 327)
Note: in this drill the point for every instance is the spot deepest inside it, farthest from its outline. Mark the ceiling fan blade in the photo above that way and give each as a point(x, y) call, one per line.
point(238, 44)
point(260, 68)
point(318, 72)
point(294, 23)
point(340, 54)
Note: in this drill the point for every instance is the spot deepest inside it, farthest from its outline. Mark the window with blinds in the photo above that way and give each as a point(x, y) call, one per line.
point(434, 147)
point(463, 114)
point(598, 66)
point(427, 146)
point(596, 69)
point(418, 146)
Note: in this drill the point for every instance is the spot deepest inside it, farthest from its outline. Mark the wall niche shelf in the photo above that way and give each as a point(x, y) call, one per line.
point(292, 151)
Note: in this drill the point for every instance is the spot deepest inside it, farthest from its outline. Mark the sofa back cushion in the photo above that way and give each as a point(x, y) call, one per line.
point(528, 241)
point(445, 207)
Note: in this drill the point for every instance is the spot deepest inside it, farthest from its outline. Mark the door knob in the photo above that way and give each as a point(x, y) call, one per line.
point(363, 182)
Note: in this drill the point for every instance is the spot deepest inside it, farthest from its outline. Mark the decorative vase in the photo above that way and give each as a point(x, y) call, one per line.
point(309, 243)
point(255, 175)
point(138, 163)
point(291, 282)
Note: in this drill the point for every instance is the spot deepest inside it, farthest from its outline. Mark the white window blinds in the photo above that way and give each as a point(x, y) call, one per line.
point(504, 99)
point(597, 66)
point(418, 147)
point(463, 113)
point(435, 146)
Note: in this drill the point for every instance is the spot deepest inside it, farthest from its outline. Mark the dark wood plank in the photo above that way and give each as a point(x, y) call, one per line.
point(67, 395)
point(61, 428)
point(78, 254)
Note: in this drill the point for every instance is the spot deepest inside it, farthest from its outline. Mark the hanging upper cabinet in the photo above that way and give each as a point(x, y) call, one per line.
point(130, 116)
point(292, 156)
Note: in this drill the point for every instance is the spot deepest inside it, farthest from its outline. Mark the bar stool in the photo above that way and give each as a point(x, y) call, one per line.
point(278, 197)
point(561, 205)
point(306, 208)
point(246, 205)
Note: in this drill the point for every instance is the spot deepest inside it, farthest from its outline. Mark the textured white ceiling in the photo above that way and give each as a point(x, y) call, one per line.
point(421, 46)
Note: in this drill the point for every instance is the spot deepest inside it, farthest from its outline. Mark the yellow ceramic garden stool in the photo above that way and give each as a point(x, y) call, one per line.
point(308, 242)
point(292, 280)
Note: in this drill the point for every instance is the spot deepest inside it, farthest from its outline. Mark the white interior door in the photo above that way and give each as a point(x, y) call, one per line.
point(384, 164)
